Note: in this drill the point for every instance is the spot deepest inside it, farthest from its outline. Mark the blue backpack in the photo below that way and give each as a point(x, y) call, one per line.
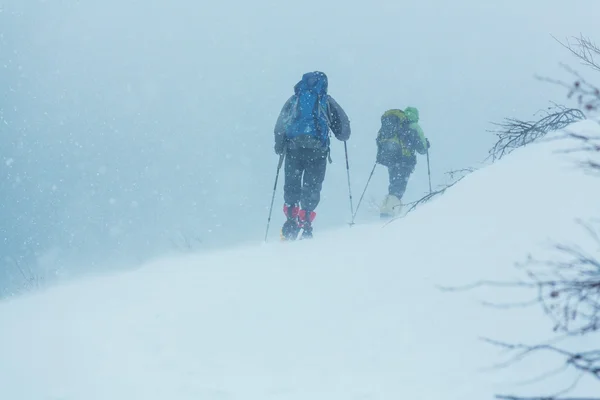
point(309, 113)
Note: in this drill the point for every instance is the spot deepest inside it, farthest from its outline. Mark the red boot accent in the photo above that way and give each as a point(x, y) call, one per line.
point(295, 211)
point(311, 217)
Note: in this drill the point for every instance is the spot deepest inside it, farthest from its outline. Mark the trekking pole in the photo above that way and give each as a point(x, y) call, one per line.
point(364, 191)
point(349, 190)
point(429, 171)
point(281, 157)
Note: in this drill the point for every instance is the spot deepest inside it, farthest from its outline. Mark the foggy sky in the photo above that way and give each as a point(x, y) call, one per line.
point(126, 126)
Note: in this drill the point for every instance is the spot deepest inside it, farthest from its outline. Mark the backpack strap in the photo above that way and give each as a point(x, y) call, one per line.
point(323, 111)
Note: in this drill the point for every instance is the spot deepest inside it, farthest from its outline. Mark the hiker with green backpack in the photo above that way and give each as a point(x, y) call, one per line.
point(398, 141)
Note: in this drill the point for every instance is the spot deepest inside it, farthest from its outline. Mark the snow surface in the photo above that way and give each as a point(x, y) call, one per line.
point(353, 314)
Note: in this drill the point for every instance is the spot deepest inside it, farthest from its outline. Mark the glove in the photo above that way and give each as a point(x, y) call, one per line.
point(279, 148)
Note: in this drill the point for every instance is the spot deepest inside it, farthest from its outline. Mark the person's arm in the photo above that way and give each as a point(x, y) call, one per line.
point(280, 127)
point(340, 123)
point(422, 143)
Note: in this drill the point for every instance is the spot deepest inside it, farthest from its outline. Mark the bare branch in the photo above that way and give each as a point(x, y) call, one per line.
point(567, 287)
point(505, 397)
point(488, 283)
point(412, 206)
point(461, 172)
point(584, 49)
point(569, 291)
point(587, 363)
point(514, 133)
point(587, 144)
point(588, 95)
point(521, 304)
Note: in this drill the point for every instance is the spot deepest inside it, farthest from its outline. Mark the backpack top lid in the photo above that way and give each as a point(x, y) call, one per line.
point(409, 114)
point(396, 113)
point(394, 116)
point(313, 81)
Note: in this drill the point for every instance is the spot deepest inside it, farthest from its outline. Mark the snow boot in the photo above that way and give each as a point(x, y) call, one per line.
point(306, 223)
point(291, 227)
point(391, 207)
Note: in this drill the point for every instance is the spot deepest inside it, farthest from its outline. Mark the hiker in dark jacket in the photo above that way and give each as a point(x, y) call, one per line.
point(302, 132)
point(398, 141)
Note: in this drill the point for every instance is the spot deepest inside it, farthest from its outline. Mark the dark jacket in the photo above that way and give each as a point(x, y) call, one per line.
point(338, 123)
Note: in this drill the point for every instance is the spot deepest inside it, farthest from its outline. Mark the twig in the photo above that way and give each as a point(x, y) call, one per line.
point(514, 133)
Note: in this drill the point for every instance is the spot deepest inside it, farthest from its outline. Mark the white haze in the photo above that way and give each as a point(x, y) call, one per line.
point(126, 126)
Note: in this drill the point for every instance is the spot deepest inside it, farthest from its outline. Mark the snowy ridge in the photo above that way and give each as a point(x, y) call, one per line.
point(353, 314)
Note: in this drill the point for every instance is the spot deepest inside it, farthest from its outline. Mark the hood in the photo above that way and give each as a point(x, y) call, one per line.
point(312, 80)
point(412, 114)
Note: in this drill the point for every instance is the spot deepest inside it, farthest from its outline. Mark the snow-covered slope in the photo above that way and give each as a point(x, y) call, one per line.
point(353, 314)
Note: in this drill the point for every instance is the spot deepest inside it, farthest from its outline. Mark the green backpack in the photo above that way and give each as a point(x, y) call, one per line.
point(394, 138)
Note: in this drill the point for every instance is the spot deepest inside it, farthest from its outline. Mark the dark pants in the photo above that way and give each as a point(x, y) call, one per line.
point(304, 175)
point(399, 173)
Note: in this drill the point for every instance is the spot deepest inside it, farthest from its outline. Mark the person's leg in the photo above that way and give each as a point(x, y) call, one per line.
point(315, 166)
point(399, 173)
point(292, 188)
point(292, 193)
